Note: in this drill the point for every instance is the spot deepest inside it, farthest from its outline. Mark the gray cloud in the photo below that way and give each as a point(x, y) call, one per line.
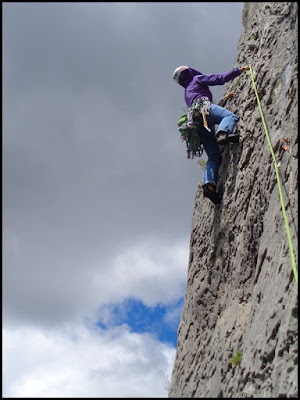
point(97, 191)
point(92, 161)
point(80, 362)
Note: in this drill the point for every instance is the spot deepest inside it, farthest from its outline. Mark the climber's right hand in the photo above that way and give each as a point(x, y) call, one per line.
point(244, 68)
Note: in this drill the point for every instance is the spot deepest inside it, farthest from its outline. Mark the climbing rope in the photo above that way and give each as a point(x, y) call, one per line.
point(236, 83)
point(278, 180)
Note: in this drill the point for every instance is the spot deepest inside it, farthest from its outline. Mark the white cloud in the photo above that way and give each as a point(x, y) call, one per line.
point(93, 172)
point(150, 271)
point(173, 314)
point(81, 361)
point(78, 360)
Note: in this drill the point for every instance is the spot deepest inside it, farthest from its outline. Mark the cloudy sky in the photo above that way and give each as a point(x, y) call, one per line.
point(97, 192)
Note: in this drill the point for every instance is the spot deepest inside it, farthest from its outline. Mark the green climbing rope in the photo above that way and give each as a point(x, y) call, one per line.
point(278, 181)
point(236, 83)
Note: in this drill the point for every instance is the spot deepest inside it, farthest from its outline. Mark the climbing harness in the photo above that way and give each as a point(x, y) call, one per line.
point(189, 126)
point(193, 115)
point(278, 180)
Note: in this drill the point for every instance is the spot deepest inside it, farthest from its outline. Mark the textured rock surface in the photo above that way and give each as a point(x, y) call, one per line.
point(241, 291)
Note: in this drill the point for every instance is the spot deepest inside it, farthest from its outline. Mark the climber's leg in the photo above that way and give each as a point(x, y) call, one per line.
point(213, 152)
point(227, 121)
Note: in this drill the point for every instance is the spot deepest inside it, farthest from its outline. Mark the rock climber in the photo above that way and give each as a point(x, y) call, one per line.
point(196, 86)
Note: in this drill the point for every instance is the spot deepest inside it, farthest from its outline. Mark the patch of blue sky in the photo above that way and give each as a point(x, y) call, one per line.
point(160, 320)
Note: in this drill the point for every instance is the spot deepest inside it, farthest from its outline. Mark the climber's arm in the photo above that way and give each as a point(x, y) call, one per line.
point(224, 100)
point(220, 79)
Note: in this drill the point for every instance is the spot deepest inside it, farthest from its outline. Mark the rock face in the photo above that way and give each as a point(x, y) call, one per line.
point(241, 291)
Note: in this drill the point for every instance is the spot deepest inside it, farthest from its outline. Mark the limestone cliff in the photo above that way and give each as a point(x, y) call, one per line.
point(241, 292)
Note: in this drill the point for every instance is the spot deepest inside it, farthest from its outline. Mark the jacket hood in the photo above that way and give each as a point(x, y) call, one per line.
point(186, 76)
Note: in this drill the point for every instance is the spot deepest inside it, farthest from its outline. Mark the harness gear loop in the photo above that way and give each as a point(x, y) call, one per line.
point(189, 126)
point(193, 115)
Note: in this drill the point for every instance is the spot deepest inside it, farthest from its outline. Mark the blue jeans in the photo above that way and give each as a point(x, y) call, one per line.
point(226, 120)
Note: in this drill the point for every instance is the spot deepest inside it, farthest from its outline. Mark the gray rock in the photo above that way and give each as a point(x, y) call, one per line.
point(241, 292)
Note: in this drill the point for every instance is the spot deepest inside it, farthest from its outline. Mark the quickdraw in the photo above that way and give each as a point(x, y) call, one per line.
point(285, 144)
point(283, 148)
point(236, 83)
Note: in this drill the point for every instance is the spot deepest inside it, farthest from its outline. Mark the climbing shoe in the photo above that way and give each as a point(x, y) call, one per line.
point(212, 195)
point(224, 138)
point(233, 138)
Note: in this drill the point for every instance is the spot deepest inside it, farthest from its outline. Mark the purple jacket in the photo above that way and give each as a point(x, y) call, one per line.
point(196, 84)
